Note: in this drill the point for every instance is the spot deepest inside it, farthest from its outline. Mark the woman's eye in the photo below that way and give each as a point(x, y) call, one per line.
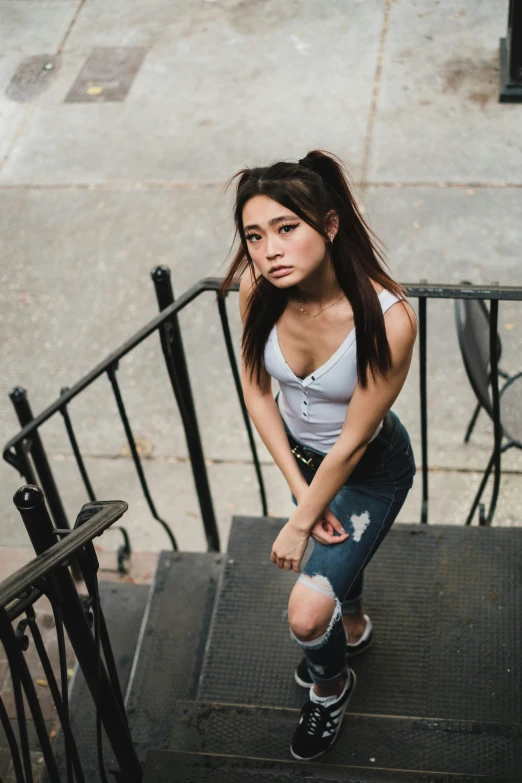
point(254, 237)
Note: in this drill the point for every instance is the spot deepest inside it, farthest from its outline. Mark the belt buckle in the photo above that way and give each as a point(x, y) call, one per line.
point(300, 456)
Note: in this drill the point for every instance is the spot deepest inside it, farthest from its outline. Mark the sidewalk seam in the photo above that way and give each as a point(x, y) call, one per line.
point(375, 96)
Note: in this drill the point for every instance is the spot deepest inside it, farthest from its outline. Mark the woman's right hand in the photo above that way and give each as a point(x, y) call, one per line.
point(323, 530)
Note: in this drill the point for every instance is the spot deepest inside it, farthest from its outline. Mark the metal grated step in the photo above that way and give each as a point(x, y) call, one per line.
point(446, 604)
point(401, 744)
point(168, 767)
point(173, 645)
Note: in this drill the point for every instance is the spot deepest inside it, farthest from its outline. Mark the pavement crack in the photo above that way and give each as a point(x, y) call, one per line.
point(375, 96)
point(61, 47)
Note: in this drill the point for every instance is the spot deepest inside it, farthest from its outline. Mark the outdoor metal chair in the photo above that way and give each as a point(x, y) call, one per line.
point(472, 321)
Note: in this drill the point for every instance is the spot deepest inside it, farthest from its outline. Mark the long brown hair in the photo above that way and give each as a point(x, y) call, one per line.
point(312, 191)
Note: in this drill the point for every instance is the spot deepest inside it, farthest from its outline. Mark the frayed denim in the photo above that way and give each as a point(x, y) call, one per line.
point(366, 505)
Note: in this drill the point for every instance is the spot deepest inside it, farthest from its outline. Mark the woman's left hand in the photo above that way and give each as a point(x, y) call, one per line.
point(324, 531)
point(289, 547)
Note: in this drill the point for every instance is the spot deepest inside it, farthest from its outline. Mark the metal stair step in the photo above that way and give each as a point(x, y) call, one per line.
point(396, 744)
point(445, 602)
point(173, 644)
point(123, 605)
point(170, 767)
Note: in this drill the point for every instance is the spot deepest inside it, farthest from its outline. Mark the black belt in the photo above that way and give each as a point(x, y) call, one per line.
point(312, 459)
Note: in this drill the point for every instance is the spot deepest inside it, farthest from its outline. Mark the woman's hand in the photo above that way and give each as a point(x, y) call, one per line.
point(324, 529)
point(289, 547)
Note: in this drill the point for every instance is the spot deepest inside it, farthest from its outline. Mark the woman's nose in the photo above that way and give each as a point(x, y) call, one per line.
point(273, 247)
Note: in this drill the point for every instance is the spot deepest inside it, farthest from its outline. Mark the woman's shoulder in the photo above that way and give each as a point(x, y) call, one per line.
point(390, 296)
point(378, 287)
point(401, 320)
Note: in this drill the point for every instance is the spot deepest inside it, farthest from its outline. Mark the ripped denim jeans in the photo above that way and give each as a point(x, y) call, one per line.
point(366, 505)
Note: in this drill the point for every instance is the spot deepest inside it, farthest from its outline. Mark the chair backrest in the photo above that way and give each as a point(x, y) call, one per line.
point(472, 320)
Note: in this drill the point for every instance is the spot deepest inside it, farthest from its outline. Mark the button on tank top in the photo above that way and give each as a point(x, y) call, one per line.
point(314, 408)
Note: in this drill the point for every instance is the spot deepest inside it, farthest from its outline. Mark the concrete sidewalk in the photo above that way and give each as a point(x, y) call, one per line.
point(94, 194)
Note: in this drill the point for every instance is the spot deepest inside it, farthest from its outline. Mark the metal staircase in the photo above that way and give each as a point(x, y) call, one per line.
point(211, 695)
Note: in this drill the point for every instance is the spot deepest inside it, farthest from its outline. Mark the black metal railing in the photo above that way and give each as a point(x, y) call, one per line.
point(511, 56)
point(494, 293)
point(25, 451)
point(81, 619)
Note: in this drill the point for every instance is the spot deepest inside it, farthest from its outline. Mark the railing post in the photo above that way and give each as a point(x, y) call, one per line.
point(18, 397)
point(423, 324)
point(30, 502)
point(511, 56)
point(172, 345)
point(497, 429)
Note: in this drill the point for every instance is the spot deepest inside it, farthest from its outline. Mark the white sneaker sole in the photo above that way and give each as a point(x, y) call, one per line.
point(311, 758)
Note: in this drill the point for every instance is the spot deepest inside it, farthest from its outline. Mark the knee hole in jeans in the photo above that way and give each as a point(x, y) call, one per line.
point(307, 621)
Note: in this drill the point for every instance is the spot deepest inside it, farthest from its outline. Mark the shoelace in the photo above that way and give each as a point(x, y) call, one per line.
point(313, 715)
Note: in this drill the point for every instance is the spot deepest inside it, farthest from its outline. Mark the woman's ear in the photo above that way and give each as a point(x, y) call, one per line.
point(332, 224)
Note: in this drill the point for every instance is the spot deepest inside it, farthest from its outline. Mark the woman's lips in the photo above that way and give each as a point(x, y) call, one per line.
point(284, 270)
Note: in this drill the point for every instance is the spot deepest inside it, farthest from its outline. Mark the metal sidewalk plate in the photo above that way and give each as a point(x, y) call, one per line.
point(107, 75)
point(32, 77)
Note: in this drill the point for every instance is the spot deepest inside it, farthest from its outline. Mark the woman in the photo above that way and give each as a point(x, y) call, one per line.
point(316, 278)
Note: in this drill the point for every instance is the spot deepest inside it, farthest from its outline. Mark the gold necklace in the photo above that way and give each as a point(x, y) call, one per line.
point(320, 311)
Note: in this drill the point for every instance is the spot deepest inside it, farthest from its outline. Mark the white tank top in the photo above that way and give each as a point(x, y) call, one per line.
point(314, 408)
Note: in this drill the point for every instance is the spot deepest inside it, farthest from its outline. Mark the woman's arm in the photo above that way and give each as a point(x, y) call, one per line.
point(366, 409)
point(263, 411)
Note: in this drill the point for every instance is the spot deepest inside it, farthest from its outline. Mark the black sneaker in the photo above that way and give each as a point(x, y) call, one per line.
point(319, 726)
point(301, 673)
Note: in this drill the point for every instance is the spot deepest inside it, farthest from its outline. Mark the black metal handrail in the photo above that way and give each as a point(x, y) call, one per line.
point(511, 56)
point(32, 572)
point(49, 575)
point(19, 451)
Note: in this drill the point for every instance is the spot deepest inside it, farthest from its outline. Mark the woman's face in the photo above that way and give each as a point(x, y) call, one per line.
point(284, 248)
